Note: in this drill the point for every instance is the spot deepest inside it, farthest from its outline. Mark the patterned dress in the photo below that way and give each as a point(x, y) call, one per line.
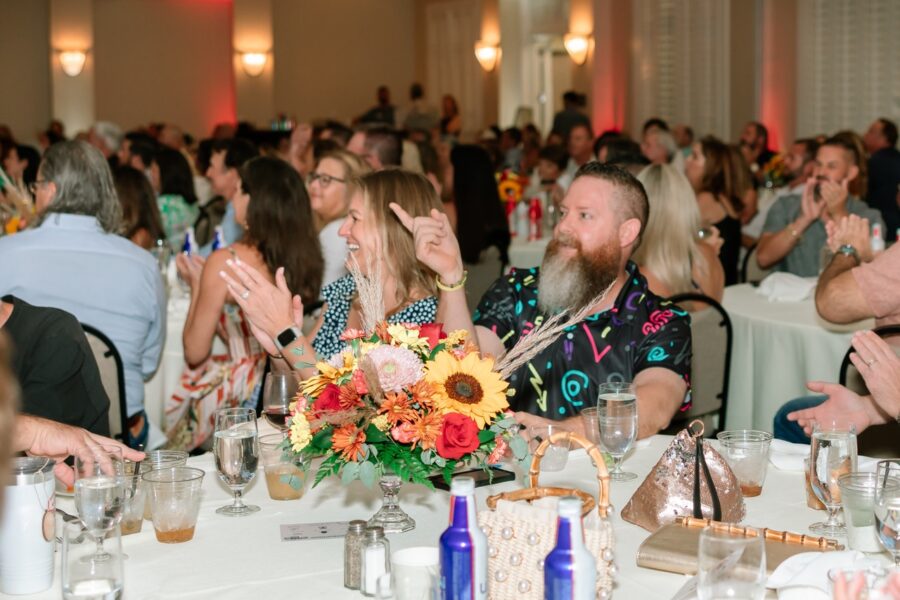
point(339, 295)
point(177, 215)
point(224, 381)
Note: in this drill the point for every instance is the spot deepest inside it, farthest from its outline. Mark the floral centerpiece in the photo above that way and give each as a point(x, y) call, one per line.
point(776, 173)
point(405, 399)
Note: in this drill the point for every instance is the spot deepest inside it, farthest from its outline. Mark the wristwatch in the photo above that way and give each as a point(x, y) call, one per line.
point(287, 337)
point(848, 250)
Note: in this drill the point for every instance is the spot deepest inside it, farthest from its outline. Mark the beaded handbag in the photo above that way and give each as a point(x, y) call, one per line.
point(521, 529)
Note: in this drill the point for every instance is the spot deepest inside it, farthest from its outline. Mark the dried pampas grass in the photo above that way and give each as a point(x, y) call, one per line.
point(370, 292)
point(545, 334)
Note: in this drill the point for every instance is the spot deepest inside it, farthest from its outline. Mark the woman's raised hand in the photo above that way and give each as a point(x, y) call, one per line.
point(270, 308)
point(436, 245)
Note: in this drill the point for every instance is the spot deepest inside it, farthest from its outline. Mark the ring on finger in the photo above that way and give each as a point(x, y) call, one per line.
point(871, 361)
point(245, 294)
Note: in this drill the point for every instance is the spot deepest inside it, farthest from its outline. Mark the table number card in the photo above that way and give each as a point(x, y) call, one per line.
point(311, 531)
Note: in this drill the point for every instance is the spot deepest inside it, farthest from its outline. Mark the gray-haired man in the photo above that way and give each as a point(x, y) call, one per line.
point(76, 261)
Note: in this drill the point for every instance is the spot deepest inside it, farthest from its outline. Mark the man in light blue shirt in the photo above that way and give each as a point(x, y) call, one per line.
point(75, 261)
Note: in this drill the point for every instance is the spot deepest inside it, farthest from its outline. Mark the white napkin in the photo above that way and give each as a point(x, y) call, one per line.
point(786, 287)
point(786, 456)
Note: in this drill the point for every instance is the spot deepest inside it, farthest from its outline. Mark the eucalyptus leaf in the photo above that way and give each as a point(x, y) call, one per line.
point(427, 457)
point(367, 473)
point(350, 472)
point(440, 461)
point(519, 447)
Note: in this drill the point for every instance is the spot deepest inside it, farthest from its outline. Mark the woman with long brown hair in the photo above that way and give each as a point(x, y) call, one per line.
point(279, 239)
point(384, 252)
point(710, 170)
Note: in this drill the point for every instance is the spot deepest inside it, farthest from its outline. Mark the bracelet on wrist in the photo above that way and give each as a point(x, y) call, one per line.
point(451, 287)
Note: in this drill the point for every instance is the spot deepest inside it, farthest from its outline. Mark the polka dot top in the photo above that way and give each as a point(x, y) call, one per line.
point(338, 296)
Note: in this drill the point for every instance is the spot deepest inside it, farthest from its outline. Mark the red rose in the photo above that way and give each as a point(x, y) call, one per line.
point(459, 436)
point(329, 400)
point(433, 332)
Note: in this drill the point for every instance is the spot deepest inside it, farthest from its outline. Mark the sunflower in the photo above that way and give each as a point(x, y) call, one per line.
point(348, 440)
point(468, 386)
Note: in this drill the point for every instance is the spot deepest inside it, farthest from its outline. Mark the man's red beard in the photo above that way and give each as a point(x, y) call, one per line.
point(573, 282)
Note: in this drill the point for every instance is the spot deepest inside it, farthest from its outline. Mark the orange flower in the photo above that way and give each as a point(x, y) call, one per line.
point(423, 393)
point(396, 407)
point(381, 330)
point(427, 429)
point(348, 441)
point(349, 398)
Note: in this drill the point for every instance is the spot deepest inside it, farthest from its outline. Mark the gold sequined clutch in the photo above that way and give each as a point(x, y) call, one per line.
point(690, 480)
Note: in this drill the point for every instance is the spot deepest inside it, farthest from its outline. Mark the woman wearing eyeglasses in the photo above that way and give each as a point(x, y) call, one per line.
point(328, 196)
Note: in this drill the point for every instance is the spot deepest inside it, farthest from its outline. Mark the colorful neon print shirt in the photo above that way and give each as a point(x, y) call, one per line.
point(639, 332)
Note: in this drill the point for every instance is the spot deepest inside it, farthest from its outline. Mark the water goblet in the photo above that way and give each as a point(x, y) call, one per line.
point(236, 450)
point(832, 454)
point(617, 419)
point(278, 393)
point(99, 492)
point(887, 507)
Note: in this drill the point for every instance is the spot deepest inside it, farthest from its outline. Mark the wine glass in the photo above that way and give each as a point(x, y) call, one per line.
point(887, 507)
point(236, 449)
point(278, 393)
point(617, 418)
point(832, 453)
point(99, 491)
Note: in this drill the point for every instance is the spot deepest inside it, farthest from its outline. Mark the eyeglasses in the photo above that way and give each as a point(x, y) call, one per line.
point(323, 179)
point(33, 186)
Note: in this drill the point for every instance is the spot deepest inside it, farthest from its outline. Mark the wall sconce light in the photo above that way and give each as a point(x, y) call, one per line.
point(488, 55)
point(254, 63)
point(72, 61)
point(577, 45)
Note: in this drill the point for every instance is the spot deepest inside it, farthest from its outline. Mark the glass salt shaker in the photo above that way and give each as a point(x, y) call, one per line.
point(376, 560)
point(353, 542)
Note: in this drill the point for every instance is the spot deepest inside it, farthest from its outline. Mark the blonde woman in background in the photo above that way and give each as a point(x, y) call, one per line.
point(671, 256)
point(329, 197)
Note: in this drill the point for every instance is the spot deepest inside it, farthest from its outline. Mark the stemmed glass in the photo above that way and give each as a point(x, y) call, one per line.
point(617, 418)
point(832, 453)
point(99, 492)
point(887, 507)
point(278, 393)
point(236, 449)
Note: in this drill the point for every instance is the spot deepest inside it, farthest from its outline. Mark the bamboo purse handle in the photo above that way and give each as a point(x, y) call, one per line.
point(534, 491)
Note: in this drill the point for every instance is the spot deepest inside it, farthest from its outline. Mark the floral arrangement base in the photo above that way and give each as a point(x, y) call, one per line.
point(390, 516)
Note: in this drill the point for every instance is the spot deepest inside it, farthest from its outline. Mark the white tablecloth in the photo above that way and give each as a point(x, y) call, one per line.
point(239, 558)
point(778, 347)
point(524, 254)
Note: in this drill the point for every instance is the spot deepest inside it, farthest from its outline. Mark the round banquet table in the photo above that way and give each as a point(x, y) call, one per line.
point(239, 558)
point(524, 254)
point(777, 348)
